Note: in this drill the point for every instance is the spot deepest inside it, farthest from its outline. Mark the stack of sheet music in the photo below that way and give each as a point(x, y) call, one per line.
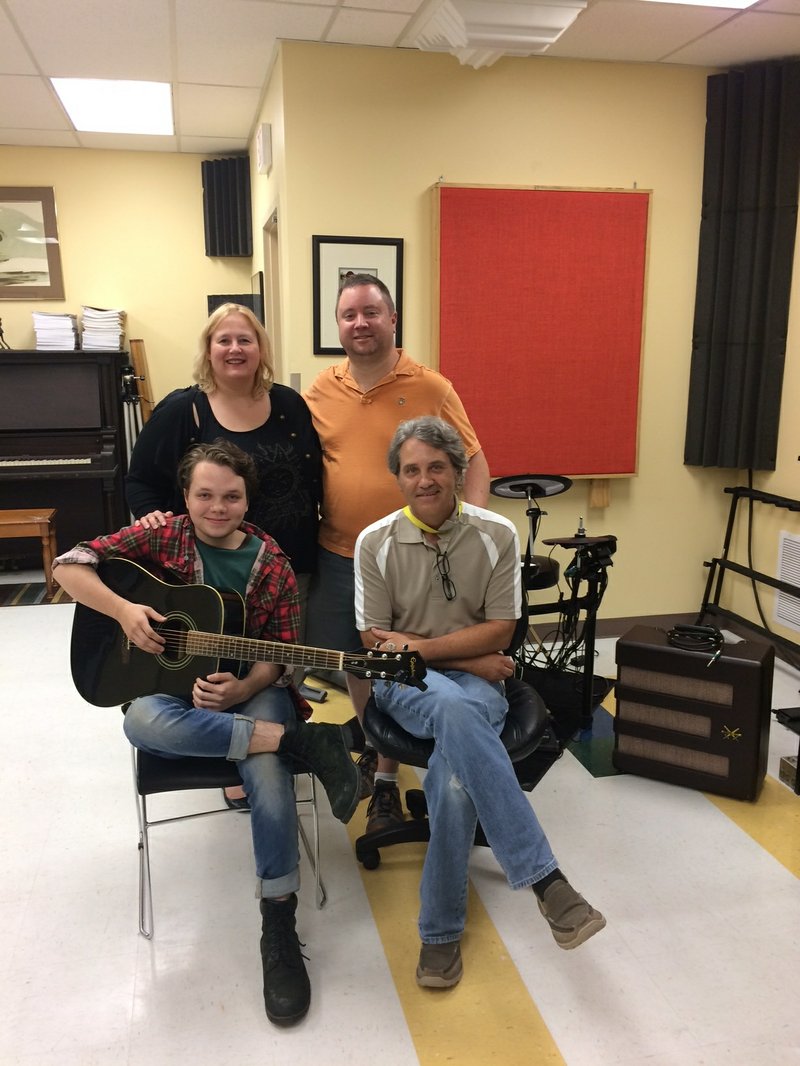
point(102, 329)
point(55, 331)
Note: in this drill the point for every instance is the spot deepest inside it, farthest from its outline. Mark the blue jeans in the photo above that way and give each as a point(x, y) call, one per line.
point(470, 778)
point(331, 615)
point(172, 727)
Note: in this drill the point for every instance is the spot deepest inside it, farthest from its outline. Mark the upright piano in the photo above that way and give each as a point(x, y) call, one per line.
point(62, 442)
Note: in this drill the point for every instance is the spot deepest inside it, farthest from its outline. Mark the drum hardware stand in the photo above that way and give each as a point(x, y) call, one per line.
point(590, 564)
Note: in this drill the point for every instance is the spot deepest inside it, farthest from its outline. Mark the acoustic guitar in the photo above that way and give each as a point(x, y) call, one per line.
point(201, 633)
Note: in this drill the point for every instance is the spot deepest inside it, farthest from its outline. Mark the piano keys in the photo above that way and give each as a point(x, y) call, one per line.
point(62, 441)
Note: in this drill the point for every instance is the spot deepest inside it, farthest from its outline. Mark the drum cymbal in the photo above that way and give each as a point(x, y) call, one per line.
point(579, 542)
point(520, 486)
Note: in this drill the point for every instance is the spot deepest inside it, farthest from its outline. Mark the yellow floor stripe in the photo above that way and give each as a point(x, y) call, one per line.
point(773, 821)
point(489, 1017)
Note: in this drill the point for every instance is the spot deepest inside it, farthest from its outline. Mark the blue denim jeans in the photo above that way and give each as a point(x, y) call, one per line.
point(172, 727)
point(470, 778)
point(331, 615)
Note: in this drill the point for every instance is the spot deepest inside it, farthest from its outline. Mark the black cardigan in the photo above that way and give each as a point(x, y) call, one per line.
point(286, 450)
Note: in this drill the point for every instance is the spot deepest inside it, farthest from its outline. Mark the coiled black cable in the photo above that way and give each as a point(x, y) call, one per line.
point(698, 638)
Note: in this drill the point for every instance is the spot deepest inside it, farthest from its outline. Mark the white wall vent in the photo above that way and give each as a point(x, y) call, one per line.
point(787, 608)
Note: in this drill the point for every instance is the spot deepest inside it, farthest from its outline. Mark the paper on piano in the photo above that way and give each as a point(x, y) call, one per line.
point(55, 331)
point(102, 328)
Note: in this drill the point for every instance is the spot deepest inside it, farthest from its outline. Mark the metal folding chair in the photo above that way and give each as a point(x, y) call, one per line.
point(152, 774)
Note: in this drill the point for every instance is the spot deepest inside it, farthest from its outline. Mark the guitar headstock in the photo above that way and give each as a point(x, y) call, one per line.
point(400, 667)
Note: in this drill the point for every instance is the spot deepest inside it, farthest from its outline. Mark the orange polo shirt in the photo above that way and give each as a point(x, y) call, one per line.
point(356, 428)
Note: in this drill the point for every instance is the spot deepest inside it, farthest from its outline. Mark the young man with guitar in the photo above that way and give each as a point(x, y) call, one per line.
point(259, 726)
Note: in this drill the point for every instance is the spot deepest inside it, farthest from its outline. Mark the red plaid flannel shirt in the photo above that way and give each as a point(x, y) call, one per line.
point(272, 602)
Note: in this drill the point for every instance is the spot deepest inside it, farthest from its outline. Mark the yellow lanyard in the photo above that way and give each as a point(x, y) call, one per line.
point(422, 525)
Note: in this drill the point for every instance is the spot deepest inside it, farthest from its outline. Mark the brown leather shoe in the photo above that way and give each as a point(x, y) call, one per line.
point(367, 764)
point(440, 965)
point(385, 808)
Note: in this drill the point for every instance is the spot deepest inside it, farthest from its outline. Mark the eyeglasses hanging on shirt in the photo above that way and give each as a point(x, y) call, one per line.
point(443, 566)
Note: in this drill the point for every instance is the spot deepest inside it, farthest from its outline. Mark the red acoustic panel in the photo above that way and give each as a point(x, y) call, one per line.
point(541, 297)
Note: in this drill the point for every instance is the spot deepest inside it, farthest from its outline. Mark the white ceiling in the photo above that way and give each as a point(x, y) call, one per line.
point(218, 53)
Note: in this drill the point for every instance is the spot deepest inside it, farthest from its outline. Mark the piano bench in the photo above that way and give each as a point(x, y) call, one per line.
point(29, 523)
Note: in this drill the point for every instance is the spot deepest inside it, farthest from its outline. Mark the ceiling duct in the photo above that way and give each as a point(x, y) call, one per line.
point(479, 32)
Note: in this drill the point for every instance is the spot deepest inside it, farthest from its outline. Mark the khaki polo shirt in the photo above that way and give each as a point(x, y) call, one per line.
point(398, 585)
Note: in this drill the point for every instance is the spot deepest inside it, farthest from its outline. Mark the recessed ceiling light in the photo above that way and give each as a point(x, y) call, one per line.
point(737, 5)
point(96, 105)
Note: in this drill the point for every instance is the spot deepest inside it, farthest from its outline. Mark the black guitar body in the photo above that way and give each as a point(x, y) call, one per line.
point(107, 670)
point(203, 632)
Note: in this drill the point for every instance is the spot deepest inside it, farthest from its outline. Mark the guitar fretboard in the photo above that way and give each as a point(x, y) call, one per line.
point(260, 651)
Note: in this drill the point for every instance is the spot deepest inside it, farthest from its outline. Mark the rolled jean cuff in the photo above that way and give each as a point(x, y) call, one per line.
point(241, 733)
point(274, 887)
point(540, 875)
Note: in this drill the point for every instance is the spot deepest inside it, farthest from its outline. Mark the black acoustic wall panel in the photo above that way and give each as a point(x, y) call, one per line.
point(226, 206)
point(744, 272)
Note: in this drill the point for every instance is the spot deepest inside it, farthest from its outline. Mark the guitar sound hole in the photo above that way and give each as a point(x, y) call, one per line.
point(174, 630)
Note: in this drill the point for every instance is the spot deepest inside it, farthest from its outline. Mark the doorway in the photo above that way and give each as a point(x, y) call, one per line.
point(272, 294)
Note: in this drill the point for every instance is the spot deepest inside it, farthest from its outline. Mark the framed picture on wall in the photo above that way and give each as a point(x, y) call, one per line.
point(333, 259)
point(245, 299)
point(30, 258)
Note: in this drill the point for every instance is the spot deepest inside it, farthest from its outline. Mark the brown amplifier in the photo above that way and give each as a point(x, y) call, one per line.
point(686, 719)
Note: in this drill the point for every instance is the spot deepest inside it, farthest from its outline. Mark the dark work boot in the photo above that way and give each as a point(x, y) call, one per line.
point(324, 751)
point(287, 990)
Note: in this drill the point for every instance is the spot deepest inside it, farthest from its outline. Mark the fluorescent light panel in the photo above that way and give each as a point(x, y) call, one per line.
point(96, 105)
point(738, 5)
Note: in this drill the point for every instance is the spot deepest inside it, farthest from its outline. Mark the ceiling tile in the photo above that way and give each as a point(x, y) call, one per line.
point(626, 30)
point(216, 110)
point(218, 54)
point(29, 102)
point(97, 38)
point(39, 138)
point(128, 142)
point(788, 7)
point(213, 145)
point(408, 7)
point(234, 44)
point(14, 59)
point(752, 37)
point(366, 27)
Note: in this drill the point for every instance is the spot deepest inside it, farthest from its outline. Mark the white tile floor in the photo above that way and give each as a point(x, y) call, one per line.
point(698, 965)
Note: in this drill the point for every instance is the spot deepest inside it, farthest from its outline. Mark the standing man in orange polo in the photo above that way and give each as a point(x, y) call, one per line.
point(356, 407)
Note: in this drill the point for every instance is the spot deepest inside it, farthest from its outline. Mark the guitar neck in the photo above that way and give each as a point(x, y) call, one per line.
point(250, 650)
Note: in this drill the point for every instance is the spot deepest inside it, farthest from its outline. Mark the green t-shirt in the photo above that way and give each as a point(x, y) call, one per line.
point(229, 568)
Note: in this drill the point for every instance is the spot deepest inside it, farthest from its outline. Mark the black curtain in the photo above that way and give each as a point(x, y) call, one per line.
point(747, 235)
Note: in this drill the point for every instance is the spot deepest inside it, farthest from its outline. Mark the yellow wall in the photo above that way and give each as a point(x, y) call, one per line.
point(130, 226)
point(360, 135)
point(369, 132)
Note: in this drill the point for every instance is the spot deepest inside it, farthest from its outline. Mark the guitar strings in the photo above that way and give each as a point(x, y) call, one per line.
point(193, 642)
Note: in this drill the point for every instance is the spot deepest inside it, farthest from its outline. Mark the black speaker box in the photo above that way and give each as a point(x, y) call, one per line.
point(685, 719)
